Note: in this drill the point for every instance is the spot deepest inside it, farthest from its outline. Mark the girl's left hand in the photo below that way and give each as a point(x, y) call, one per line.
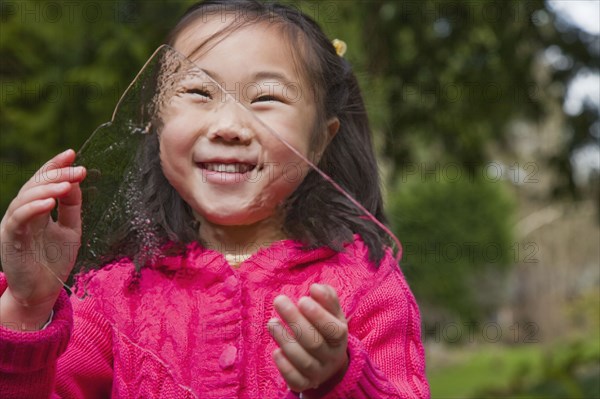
point(315, 352)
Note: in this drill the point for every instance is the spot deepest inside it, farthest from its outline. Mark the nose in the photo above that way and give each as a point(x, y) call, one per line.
point(229, 128)
point(231, 134)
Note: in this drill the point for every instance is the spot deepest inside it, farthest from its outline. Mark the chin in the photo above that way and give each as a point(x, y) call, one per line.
point(235, 218)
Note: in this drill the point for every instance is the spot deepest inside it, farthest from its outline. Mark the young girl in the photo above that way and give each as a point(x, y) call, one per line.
point(283, 288)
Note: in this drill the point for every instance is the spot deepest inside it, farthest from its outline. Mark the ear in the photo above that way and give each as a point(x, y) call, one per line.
point(333, 125)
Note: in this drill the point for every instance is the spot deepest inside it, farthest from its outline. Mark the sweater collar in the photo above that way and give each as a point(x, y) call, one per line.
point(284, 254)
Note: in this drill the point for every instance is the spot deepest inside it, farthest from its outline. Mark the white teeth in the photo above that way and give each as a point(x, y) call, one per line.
point(228, 167)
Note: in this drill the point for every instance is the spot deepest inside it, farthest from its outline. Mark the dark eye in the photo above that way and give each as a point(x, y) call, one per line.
point(198, 92)
point(265, 98)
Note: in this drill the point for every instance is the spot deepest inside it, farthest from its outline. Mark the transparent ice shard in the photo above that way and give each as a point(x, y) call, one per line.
point(111, 156)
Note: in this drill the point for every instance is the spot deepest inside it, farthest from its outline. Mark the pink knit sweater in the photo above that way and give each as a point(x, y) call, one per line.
point(193, 327)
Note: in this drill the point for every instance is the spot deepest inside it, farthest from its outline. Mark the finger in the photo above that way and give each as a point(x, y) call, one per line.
point(306, 364)
point(21, 217)
point(71, 174)
point(303, 331)
point(48, 170)
point(69, 208)
point(326, 296)
point(51, 190)
point(295, 380)
point(58, 161)
point(61, 160)
point(67, 174)
point(329, 328)
point(64, 175)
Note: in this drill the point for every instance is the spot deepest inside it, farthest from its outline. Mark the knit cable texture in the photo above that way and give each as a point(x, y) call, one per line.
point(193, 327)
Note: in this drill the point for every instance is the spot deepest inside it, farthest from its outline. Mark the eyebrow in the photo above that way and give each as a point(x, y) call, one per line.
point(262, 75)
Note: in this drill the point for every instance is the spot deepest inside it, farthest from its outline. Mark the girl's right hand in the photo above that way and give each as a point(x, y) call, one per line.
point(35, 249)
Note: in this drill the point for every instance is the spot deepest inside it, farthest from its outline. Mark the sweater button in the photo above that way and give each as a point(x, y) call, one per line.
point(227, 358)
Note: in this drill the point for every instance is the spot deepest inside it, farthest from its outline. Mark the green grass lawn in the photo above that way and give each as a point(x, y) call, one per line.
point(566, 370)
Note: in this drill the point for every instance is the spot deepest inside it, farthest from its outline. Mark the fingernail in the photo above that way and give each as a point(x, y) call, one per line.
point(306, 303)
point(282, 302)
point(320, 288)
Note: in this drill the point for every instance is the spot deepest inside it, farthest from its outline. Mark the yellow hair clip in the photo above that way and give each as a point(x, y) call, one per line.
point(340, 47)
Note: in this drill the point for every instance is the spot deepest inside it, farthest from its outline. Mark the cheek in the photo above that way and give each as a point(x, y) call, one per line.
point(175, 166)
point(176, 140)
point(174, 152)
point(168, 148)
point(294, 131)
point(166, 163)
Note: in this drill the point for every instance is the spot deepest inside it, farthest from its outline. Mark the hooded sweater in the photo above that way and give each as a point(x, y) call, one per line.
point(191, 326)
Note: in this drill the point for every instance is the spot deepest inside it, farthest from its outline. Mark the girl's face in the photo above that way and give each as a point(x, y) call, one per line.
point(223, 163)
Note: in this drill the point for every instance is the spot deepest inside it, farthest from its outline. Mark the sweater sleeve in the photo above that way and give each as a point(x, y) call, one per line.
point(51, 362)
point(386, 354)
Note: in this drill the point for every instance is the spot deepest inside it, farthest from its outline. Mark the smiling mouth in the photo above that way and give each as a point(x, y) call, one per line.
point(227, 167)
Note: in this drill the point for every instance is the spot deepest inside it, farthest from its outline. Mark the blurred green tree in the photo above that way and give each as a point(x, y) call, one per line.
point(456, 72)
point(455, 229)
point(442, 80)
point(445, 76)
point(64, 65)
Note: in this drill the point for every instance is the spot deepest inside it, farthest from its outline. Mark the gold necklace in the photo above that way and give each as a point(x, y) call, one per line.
point(236, 259)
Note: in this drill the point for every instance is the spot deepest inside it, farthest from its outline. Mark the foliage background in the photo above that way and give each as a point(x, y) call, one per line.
point(500, 237)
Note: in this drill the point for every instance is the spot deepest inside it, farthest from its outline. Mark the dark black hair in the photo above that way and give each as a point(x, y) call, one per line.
point(316, 213)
